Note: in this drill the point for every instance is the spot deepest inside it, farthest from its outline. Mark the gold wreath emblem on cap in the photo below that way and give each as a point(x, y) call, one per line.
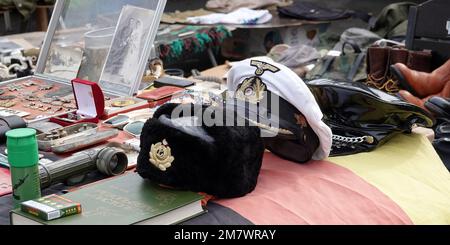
point(251, 90)
point(161, 155)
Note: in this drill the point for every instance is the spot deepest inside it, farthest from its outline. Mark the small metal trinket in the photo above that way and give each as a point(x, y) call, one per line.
point(7, 103)
point(46, 100)
point(31, 105)
point(45, 108)
point(70, 106)
point(14, 87)
point(26, 93)
point(31, 98)
point(52, 135)
point(56, 110)
point(57, 103)
point(72, 116)
point(84, 128)
point(65, 100)
point(57, 134)
point(7, 97)
point(29, 84)
point(10, 112)
point(46, 87)
point(61, 92)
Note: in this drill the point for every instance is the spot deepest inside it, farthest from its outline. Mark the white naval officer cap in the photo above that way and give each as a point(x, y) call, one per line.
point(283, 82)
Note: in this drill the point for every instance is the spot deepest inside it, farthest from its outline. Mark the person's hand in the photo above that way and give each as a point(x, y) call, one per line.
point(425, 85)
point(445, 93)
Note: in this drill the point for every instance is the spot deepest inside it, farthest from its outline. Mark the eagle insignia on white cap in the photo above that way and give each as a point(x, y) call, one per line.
point(161, 155)
point(263, 67)
point(251, 90)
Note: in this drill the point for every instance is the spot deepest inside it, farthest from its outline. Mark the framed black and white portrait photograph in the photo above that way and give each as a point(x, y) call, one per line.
point(121, 72)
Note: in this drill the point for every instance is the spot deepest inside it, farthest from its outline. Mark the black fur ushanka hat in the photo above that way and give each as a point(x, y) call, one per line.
point(183, 153)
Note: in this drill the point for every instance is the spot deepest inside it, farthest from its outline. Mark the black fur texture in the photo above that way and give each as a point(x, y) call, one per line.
point(227, 168)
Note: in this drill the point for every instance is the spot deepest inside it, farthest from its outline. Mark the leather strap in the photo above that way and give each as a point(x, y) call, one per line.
point(326, 65)
point(354, 46)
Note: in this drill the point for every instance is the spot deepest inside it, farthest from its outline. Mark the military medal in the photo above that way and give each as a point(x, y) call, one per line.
point(55, 110)
point(7, 103)
point(29, 84)
point(70, 106)
point(64, 100)
point(31, 105)
point(57, 103)
point(46, 100)
point(14, 88)
point(46, 87)
point(45, 108)
point(7, 97)
point(31, 98)
point(123, 103)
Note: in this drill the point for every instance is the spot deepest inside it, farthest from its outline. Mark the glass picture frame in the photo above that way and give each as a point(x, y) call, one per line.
point(86, 28)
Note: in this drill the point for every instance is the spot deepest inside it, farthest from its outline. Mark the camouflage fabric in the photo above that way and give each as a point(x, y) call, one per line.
point(340, 68)
point(361, 37)
point(350, 65)
point(25, 7)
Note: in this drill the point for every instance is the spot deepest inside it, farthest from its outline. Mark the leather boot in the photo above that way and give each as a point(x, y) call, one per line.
point(377, 66)
point(381, 58)
point(422, 84)
point(397, 55)
point(419, 61)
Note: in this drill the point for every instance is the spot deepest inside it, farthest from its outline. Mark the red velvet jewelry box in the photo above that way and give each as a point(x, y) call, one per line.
point(90, 103)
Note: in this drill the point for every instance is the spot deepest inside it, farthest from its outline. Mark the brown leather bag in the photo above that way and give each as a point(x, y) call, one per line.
point(380, 59)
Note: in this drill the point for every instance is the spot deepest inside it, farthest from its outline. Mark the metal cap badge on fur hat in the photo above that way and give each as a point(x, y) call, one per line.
point(283, 82)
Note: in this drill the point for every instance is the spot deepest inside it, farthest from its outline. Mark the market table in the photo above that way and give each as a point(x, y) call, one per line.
point(250, 40)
